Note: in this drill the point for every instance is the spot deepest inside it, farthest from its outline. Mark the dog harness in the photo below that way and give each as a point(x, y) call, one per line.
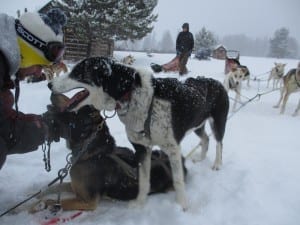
point(232, 85)
point(147, 132)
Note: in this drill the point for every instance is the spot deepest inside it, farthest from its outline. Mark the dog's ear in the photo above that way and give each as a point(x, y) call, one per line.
point(102, 70)
point(91, 70)
point(121, 81)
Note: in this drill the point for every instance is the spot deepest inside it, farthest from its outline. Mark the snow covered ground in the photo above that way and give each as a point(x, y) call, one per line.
point(259, 183)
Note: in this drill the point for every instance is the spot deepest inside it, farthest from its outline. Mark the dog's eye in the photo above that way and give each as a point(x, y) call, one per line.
point(235, 76)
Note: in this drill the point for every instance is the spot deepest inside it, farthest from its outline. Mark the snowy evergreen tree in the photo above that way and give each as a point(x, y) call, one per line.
point(205, 39)
point(101, 19)
point(167, 44)
point(279, 43)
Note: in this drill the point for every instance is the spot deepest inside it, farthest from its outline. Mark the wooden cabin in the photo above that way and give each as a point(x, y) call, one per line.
point(76, 49)
point(219, 52)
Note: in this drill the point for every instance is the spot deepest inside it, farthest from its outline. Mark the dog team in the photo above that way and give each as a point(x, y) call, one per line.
point(155, 112)
point(287, 84)
point(151, 117)
point(154, 117)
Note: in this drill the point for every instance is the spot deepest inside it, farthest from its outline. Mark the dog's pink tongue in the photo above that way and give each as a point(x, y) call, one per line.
point(76, 99)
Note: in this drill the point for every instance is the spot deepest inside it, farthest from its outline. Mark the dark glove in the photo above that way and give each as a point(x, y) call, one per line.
point(50, 118)
point(71, 125)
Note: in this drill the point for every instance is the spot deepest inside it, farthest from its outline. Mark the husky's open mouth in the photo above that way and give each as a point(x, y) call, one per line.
point(64, 103)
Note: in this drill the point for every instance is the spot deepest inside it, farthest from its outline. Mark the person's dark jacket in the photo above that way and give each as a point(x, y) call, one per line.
point(19, 132)
point(184, 42)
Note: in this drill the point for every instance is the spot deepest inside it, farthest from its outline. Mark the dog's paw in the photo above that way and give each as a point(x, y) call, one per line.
point(216, 166)
point(37, 207)
point(48, 204)
point(136, 204)
point(198, 158)
point(183, 203)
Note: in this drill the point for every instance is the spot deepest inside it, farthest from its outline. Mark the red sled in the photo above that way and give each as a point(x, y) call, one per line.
point(172, 66)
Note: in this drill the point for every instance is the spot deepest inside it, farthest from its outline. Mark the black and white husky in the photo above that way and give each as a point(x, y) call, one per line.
point(155, 111)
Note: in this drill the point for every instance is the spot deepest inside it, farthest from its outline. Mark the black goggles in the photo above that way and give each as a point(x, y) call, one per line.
point(53, 51)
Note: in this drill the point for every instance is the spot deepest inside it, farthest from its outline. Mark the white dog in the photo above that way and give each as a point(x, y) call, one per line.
point(276, 74)
point(128, 60)
point(233, 81)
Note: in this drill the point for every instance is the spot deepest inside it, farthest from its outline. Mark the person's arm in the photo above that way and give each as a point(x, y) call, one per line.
point(5, 81)
point(19, 132)
point(3, 70)
point(192, 42)
point(3, 146)
point(178, 50)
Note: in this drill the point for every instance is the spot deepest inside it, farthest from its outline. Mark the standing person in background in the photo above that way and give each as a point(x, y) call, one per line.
point(184, 47)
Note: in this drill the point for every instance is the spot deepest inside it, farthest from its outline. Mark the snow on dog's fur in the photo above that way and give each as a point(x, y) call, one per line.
point(155, 111)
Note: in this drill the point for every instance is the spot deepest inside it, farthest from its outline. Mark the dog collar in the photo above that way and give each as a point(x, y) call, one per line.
point(125, 98)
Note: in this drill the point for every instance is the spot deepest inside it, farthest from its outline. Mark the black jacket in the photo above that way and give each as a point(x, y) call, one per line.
point(184, 42)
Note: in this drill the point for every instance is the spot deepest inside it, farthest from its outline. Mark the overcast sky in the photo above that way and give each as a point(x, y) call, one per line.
point(254, 18)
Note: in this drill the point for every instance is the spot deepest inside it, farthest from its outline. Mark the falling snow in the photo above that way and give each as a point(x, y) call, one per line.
point(259, 182)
